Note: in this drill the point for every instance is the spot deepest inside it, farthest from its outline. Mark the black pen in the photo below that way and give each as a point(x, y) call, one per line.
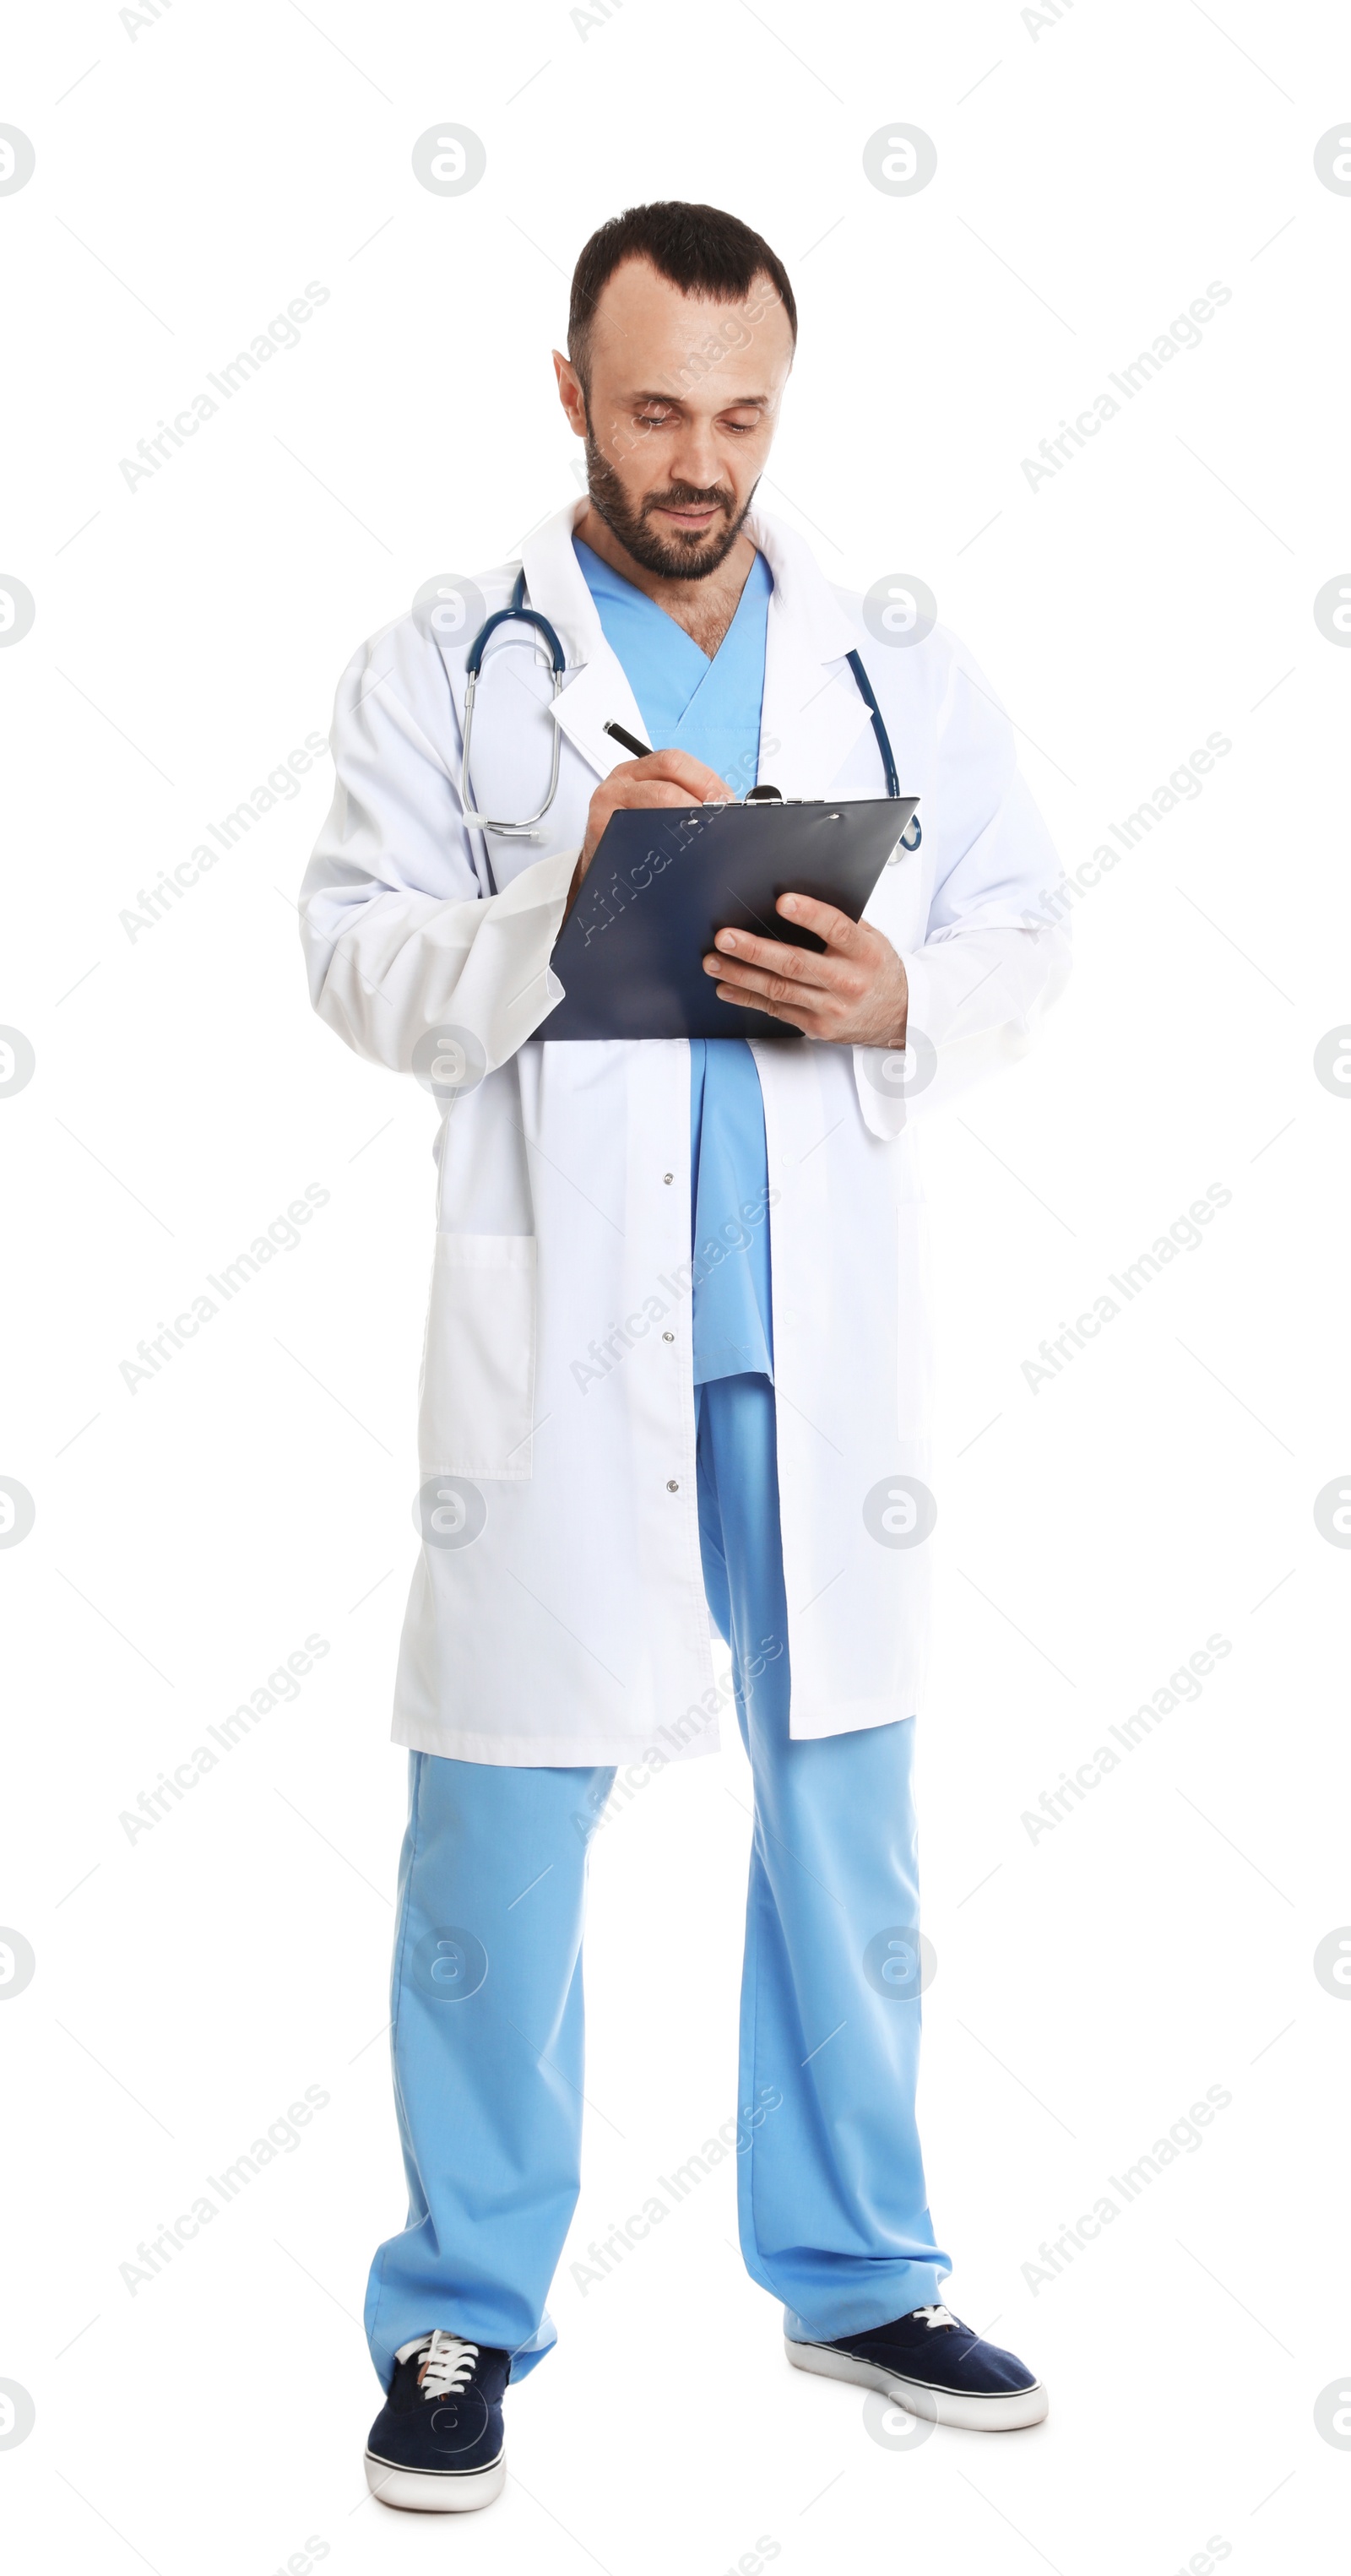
point(643, 751)
point(640, 750)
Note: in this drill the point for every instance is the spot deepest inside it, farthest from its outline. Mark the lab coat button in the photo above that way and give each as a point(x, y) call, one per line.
point(673, 1484)
point(668, 1337)
point(668, 1176)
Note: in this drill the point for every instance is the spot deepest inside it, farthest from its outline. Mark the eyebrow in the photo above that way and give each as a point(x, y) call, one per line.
point(741, 402)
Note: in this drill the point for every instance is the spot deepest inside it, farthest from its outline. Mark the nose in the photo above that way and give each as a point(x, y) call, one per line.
point(696, 459)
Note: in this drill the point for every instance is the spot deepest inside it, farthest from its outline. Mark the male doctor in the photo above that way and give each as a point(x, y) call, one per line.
point(676, 1359)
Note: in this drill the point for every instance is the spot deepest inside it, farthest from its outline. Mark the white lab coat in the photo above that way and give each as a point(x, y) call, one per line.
point(557, 1383)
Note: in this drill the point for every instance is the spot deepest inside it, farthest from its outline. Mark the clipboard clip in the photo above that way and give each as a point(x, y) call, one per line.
point(910, 838)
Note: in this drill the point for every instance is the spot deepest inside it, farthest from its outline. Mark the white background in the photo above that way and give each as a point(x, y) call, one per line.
point(1095, 173)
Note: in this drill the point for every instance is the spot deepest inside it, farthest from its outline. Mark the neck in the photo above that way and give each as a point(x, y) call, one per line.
point(696, 605)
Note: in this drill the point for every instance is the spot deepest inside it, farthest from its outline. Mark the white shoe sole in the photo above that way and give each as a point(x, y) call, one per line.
point(1007, 2413)
point(435, 2491)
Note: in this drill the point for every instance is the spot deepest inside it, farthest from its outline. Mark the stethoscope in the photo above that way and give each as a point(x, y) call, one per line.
point(528, 827)
point(515, 610)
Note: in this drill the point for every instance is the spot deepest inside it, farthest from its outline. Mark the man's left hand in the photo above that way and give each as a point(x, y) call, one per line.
point(855, 994)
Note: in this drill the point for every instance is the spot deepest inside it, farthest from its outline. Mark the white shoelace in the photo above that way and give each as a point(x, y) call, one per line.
point(936, 2316)
point(447, 2363)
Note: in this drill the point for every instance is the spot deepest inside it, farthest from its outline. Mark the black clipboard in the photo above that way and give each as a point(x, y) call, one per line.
point(629, 955)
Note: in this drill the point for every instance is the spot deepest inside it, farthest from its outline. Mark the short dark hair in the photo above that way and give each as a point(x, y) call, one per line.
point(698, 248)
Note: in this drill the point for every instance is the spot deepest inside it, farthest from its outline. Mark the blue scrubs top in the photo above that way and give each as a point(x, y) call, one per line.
point(711, 709)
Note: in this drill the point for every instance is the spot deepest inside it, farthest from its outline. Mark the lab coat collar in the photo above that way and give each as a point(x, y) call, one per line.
point(812, 713)
point(597, 690)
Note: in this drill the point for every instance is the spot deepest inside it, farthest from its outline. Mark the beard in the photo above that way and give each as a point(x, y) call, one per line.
point(673, 558)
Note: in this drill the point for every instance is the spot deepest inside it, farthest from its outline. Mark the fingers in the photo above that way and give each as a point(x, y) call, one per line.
point(836, 928)
point(796, 1012)
point(773, 965)
point(660, 779)
point(664, 779)
point(647, 792)
point(852, 993)
point(681, 768)
point(789, 997)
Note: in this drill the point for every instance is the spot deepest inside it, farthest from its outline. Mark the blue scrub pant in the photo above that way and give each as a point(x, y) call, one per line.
point(487, 2014)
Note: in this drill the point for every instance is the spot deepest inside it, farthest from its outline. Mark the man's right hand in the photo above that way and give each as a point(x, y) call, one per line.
point(661, 778)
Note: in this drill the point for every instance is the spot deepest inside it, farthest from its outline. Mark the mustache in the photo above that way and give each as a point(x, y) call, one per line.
point(688, 496)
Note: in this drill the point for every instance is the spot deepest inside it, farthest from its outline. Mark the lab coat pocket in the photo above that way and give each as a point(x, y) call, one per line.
point(478, 1370)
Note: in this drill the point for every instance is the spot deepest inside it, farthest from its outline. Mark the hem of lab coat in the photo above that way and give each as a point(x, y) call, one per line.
point(552, 1752)
point(588, 1752)
point(813, 1724)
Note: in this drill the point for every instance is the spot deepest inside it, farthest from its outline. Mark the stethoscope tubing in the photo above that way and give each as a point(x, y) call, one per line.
point(516, 611)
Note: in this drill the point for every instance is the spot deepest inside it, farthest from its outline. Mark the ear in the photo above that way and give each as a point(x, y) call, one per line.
point(570, 393)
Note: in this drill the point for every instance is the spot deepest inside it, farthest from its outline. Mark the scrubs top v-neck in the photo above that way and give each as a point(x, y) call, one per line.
point(712, 710)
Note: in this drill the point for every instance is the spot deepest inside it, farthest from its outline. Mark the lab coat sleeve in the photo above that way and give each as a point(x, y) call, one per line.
point(398, 938)
point(993, 958)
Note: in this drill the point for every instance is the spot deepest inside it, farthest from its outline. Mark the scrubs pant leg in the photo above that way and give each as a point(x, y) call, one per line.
point(832, 2203)
point(486, 2033)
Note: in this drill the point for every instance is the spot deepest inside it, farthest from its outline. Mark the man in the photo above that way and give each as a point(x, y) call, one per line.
point(676, 1351)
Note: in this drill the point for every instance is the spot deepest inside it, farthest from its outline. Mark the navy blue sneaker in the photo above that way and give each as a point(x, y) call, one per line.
point(933, 2365)
point(436, 2444)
